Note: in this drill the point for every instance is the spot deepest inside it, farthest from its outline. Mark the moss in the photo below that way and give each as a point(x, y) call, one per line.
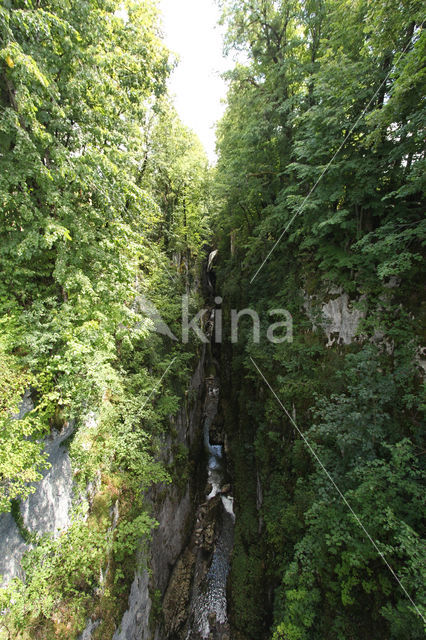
point(114, 599)
point(30, 537)
point(181, 467)
point(101, 506)
point(156, 613)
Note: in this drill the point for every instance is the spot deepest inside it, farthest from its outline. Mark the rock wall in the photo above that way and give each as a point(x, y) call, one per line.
point(135, 622)
point(48, 510)
point(12, 548)
point(45, 510)
point(337, 317)
point(174, 512)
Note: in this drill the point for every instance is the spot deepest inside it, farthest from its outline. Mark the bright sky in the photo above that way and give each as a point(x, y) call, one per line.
point(191, 31)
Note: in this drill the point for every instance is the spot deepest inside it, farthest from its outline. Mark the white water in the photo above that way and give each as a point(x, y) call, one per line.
point(210, 606)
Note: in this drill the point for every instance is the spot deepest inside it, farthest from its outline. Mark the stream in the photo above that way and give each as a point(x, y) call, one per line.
point(208, 608)
point(195, 603)
point(214, 529)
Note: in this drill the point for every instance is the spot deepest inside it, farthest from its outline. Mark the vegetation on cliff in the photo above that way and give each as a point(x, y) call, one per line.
point(321, 149)
point(104, 197)
point(106, 201)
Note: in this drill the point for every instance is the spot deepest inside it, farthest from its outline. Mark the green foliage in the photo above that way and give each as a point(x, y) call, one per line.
point(60, 576)
point(156, 612)
point(181, 467)
point(247, 570)
point(105, 197)
point(128, 535)
point(324, 134)
point(21, 456)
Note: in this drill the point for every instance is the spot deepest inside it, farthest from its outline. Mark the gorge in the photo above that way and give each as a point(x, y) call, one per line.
point(212, 376)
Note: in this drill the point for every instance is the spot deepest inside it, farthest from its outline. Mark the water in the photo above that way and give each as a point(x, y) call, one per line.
point(213, 599)
point(208, 608)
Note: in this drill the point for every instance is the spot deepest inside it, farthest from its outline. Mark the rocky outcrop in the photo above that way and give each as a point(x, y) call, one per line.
point(341, 320)
point(191, 547)
point(47, 510)
point(338, 317)
point(178, 594)
point(195, 602)
point(135, 622)
point(207, 524)
point(91, 627)
point(191, 569)
point(12, 548)
point(174, 512)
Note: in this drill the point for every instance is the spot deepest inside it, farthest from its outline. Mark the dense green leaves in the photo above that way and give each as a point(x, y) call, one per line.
point(21, 451)
point(104, 198)
point(324, 134)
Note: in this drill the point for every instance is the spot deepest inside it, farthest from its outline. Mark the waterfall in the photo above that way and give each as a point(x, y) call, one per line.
point(208, 608)
point(207, 614)
point(195, 603)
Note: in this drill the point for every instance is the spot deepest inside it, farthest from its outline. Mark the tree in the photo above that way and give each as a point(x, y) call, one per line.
point(320, 149)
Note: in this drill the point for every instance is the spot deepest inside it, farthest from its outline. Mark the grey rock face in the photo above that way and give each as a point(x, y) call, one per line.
point(337, 318)
point(87, 633)
point(170, 537)
point(12, 548)
point(167, 544)
point(47, 510)
point(135, 622)
point(341, 321)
